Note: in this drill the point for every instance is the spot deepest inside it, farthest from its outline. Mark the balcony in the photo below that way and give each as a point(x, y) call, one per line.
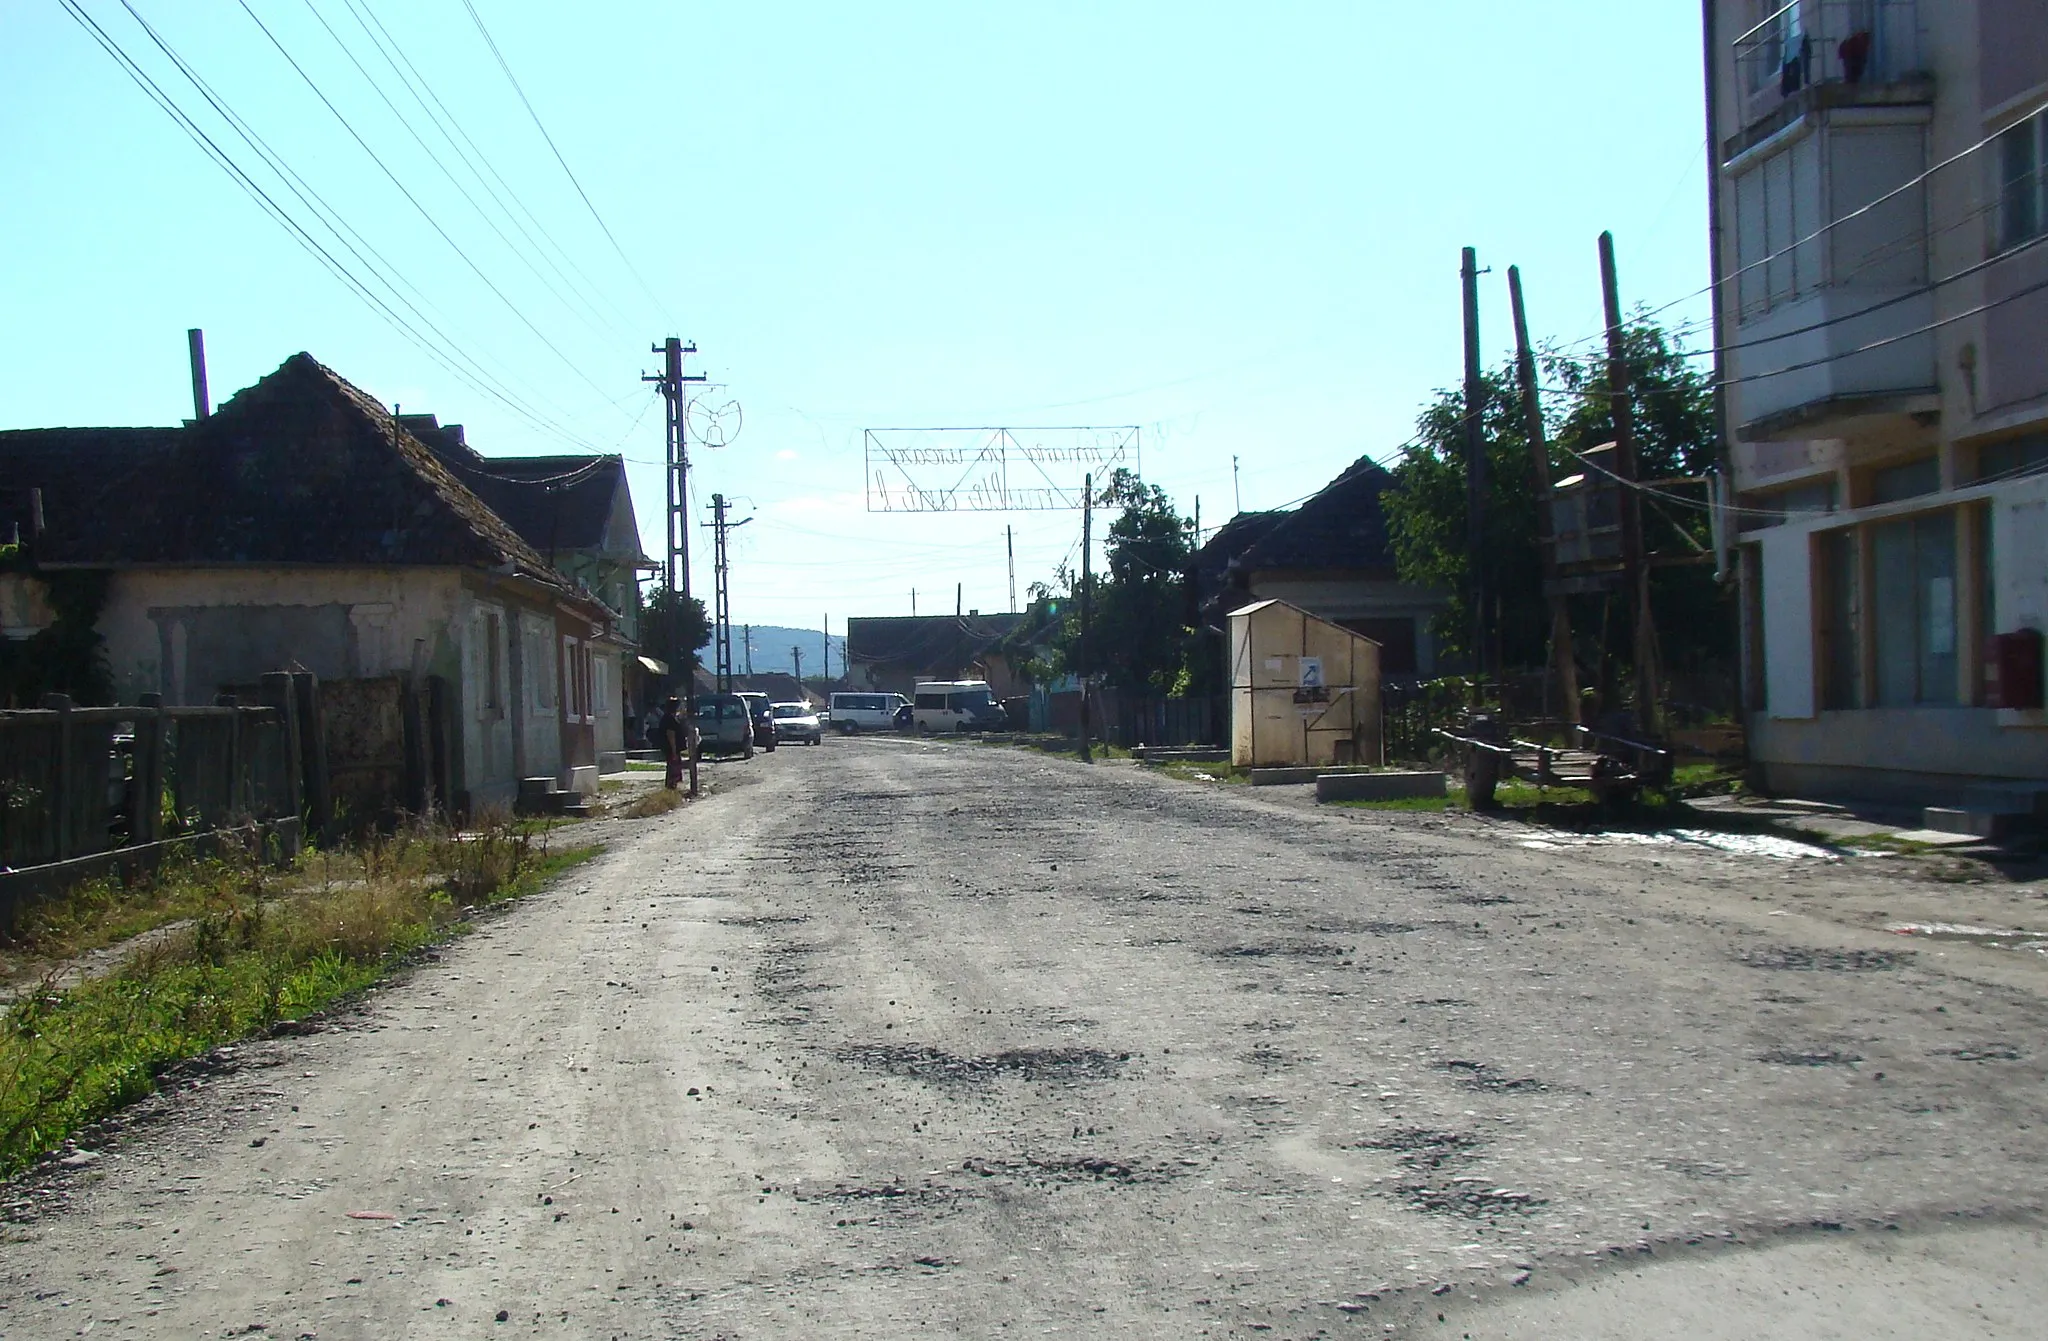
point(1833, 383)
point(1828, 53)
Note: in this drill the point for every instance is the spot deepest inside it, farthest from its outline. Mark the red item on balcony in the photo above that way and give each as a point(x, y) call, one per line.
point(1855, 53)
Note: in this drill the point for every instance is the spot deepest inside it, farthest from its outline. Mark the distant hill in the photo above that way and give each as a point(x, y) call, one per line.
point(771, 644)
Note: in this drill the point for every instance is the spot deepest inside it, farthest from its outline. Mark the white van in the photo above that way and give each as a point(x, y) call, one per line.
point(957, 705)
point(852, 713)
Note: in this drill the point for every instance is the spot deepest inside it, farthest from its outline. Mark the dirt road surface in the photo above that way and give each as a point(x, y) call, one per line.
point(902, 1039)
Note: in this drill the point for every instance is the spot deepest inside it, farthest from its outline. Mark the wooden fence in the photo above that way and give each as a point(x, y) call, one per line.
point(82, 786)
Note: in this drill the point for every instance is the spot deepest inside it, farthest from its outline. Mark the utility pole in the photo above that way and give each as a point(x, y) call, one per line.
point(1475, 471)
point(747, 645)
point(913, 602)
point(1236, 494)
point(827, 671)
point(1561, 661)
point(1087, 570)
point(674, 386)
point(796, 654)
point(1648, 717)
point(1010, 547)
point(959, 603)
point(722, 592)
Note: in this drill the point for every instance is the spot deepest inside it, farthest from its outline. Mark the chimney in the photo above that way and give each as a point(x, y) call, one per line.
point(195, 340)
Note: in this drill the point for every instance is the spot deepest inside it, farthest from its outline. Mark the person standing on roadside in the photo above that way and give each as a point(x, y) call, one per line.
point(675, 740)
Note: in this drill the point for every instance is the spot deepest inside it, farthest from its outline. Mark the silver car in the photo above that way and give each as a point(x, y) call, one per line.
point(797, 722)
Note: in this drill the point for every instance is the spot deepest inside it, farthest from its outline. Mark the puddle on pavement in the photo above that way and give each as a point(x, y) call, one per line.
point(1734, 844)
point(1962, 933)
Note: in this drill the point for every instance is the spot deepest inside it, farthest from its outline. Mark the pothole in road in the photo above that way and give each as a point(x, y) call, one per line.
point(1051, 1065)
point(763, 920)
point(1480, 1076)
point(1994, 1052)
point(1482, 900)
point(1468, 1197)
point(1076, 1169)
point(1421, 1148)
point(1829, 1057)
point(1800, 958)
point(1282, 950)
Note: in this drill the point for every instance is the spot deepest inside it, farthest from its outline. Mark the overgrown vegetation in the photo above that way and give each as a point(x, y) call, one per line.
point(240, 947)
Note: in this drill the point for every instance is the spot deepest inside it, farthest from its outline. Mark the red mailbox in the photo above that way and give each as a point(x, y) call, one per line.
point(2012, 669)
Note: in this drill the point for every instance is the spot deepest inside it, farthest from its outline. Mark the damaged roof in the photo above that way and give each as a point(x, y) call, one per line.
point(1342, 527)
point(300, 468)
point(553, 502)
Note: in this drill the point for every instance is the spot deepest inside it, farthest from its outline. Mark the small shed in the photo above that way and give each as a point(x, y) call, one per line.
point(1303, 691)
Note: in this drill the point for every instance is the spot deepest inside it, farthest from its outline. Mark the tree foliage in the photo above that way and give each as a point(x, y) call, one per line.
point(1674, 432)
point(1138, 634)
point(674, 630)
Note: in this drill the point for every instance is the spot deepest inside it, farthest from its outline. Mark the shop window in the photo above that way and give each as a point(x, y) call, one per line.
point(1913, 609)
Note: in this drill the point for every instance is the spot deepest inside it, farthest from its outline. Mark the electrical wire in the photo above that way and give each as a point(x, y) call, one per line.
point(264, 201)
point(435, 158)
point(342, 231)
point(424, 212)
point(513, 80)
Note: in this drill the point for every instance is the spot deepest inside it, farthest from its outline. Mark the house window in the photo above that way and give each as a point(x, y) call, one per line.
point(601, 687)
point(1895, 484)
point(2012, 459)
point(543, 682)
point(2022, 181)
point(1913, 609)
point(1841, 646)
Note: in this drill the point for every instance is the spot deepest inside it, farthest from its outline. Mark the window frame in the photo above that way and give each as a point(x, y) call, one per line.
point(2031, 130)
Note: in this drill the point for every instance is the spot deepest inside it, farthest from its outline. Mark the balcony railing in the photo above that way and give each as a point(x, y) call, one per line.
point(1815, 42)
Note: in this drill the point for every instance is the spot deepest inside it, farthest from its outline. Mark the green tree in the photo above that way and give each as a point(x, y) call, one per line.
point(1138, 632)
point(1675, 438)
point(674, 630)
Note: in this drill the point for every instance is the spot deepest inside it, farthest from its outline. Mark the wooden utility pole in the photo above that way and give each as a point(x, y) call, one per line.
point(1087, 571)
point(1475, 468)
point(1648, 717)
point(1562, 664)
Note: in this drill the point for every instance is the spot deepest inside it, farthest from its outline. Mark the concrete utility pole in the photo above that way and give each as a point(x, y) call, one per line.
point(195, 346)
point(747, 644)
point(1648, 716)
point(959, 604)
point(826, 672)
point(1236, 494)
point(913, 602)
point(1475, 468)
point(722, 592)
point(1563, 666)
point(796, 655)
point(1087, 569)
point(674, 387)
point(1010, 547)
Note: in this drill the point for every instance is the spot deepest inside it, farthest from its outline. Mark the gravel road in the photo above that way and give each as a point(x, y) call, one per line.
point(904, 1039)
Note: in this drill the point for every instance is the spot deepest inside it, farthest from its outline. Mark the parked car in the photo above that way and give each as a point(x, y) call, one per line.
point(764, 720)
point(796, 721)
point(724, 725)
point(854, 713)
point(957, 705)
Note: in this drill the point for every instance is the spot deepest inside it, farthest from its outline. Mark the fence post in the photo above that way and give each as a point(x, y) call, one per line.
point(319, 797)
point(236, 803)
point(61, 807)
point(151, 744)
point(277, 692)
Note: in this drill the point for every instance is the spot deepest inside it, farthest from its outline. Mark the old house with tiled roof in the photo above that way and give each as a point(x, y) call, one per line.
point(302, 525)
point(1333, 558)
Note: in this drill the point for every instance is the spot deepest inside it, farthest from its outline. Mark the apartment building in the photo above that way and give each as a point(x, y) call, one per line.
point(1881, 247)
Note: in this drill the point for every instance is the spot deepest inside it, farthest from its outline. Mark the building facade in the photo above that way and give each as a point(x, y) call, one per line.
point(1881, 258)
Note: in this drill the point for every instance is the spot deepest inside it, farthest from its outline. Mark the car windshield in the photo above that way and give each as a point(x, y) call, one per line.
point(790, 710)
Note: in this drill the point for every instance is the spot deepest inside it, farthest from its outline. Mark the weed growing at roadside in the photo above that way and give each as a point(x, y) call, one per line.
point(258, 946)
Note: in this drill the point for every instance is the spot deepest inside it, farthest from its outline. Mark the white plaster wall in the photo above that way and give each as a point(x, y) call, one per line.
point(2019, 554)
point(1787, 594)
point(387, 618)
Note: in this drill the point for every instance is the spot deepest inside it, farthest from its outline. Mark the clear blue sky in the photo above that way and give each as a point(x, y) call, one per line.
point(1235, 226)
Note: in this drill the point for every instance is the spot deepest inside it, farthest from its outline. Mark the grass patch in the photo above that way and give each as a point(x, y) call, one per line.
point(656, 801)
point(644, 766)
point(258, 946)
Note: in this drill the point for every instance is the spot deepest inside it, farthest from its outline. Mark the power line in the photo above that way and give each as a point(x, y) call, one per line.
point(478, 376)
point(513, 79)
point(424, 212)
point(264, 201)
point(435, 158)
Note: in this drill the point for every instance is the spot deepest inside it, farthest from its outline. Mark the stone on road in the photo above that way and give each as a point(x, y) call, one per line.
point(931, 1038)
